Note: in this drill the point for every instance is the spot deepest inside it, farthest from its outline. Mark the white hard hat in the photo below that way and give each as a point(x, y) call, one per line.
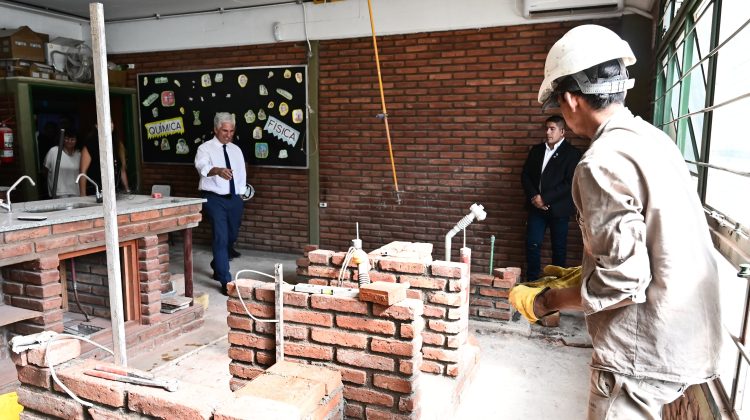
point(583, 47)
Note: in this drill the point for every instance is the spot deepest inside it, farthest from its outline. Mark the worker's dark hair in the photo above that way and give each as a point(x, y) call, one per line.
point(71, 132)
point(603, 71)
point(557, 120)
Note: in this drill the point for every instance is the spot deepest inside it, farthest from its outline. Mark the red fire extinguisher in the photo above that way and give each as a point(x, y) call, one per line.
point(6, 153)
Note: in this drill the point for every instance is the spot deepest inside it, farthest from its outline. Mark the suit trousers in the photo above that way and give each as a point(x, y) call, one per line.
point(225, 214)
point(536, 225)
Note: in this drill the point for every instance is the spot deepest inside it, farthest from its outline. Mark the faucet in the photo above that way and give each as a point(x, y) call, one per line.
point(13, 187)
point(96, 186)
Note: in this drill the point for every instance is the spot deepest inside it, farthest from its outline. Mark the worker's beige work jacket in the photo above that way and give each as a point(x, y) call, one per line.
point(646, 240)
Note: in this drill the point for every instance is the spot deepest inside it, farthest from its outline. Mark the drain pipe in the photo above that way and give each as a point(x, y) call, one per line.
point(75, 288)
point(477, 211)
point(358, 256)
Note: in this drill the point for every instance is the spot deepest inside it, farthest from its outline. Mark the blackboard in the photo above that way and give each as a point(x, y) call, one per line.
point(177, 109)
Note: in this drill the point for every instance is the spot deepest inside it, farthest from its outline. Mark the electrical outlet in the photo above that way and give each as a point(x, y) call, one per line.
point(323, 205)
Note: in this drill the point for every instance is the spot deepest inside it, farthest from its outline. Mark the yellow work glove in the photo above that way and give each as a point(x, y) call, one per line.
point(522, 298)
point(556, 277)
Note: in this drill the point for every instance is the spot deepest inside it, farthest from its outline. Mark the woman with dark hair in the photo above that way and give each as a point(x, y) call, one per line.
point(70, 161)
point(90, 164)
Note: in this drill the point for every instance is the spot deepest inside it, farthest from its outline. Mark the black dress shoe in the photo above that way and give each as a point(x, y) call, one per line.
point(233, 254)
point(224, 290)
point(213, 266)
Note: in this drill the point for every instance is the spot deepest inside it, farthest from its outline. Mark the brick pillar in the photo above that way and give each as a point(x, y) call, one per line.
point(149, 276)
point(163, 258)
point(35, 285)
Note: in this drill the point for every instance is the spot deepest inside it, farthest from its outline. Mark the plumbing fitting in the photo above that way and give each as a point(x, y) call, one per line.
point(358, 256)
point(96, 186)
point(13, 187)
point(477, 212)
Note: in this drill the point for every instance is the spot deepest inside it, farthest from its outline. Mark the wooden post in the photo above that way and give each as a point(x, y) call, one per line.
point(106, 157)
point(187, 254)
point(278, 274)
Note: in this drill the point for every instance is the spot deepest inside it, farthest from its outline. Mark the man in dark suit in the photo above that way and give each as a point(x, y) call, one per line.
point(546, 178)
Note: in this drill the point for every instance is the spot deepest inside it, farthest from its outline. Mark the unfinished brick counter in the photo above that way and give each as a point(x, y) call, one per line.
point(31, 253)
point(376, 348)
point(488, 299)
point(442, 286)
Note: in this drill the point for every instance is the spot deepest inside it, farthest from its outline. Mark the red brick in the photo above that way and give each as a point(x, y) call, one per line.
point(392, 383)
point(9, 251)
point(364, 360)
point(354, 376)
point(244, 370)
point(406, 310)
point(236, 322)
point(320, 256)
point(47, 262)
point(339, 304)
point(242, 354)
point(101, 391)
point(47, 290)
point(308, 351)
point(352, 411)
point(486, 291)
point(409, 367)
point(326, 272)
point(401, 266)
point(432, 367)
point(376, 326)
point(383, 293)
point(39, 305)
point(424, 282)
point(26, 234)
point(442, 355)
point(257, 310)
point(368, 396)
point(303, 262)
point(477, 301)
point(395, 347)
point(307, 317)
point(51, 404)
point(33, 375)
point(482, 279)
point(72, 226)
point(43, 245)
point(433, 338)
point(449, 269)
point(431, 311)
point(380, 276)
point(145, 215)
point(12, 288)
point(339, 338)
point(163, 224)
point(191, 401)
point(251, 340)
point(443, 298)
point(309, 248)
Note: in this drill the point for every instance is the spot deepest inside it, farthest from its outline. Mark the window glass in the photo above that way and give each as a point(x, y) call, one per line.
point(734, 13)
point(732, 289)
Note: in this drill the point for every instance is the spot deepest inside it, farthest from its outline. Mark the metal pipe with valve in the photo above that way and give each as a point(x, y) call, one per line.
point(477, 212)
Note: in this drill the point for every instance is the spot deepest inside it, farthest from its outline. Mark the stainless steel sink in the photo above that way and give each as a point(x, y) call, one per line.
point(57, 207)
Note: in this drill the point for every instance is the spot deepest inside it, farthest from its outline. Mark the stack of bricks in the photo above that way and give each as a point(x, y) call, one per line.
point(289, 391)
point(163, 258)
point(151, 271)
point(442, 286)
point(376, 348)
point(489, 294)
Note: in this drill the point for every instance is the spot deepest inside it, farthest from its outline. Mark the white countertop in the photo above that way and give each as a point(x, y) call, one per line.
point(65, 210)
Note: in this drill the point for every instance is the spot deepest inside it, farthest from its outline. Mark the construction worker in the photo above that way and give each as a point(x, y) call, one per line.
point(649, 282)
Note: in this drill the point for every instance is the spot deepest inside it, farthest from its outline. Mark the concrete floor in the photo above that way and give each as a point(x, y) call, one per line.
point(525, 371)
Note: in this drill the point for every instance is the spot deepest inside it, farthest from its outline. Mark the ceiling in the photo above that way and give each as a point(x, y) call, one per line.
point(117, 10)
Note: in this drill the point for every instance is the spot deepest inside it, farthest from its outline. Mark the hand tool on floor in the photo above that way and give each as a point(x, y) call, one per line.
point(113, 373)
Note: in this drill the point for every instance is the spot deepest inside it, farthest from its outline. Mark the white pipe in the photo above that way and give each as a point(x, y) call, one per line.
point(477, 211)
point(106, 157)
point(278, 272)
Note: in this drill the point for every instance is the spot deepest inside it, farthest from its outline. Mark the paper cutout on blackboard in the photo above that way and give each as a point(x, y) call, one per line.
point(287, 74)
point(196, 118)
point(270, 74)
point(270, 105)
point(177, 83)
point(218, 78)
point(161, 80)
point(282, 131)
point(257, 133)
point(182, 148)
point(249, 116)
point(155, 112)
point(262, 115)
point(164, 145)
point(150, 99)
point(242, 80)
point(283, 109)
point(262, 90)
point(182, 110)
point(285, 94)
point(206, 80)
point(165, 128)
point(298, 116)
point(198, 140)
point(283, 154)
point(145, 80)
point(261, 150)
point(167, 98)
point(298, 77)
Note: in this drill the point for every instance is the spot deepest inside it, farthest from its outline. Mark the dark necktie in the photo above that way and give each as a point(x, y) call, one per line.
point(229, 166)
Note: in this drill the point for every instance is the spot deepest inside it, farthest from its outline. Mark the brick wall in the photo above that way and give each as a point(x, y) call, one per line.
point(462, 113)
point(375, 347)
point(92, 284)
point(488, 298)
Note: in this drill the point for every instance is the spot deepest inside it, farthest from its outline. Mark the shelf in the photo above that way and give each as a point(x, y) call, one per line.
point(10, 314)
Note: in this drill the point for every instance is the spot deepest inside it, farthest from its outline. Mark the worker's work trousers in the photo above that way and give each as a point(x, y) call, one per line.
point(613, 396)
